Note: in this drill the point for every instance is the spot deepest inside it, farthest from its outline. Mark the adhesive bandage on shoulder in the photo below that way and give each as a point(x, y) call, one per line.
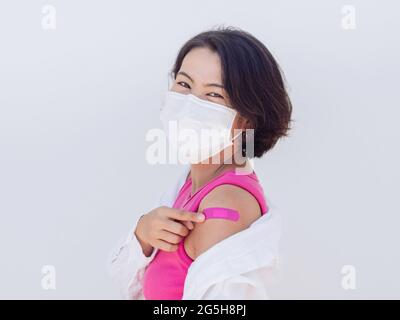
point(221, 213)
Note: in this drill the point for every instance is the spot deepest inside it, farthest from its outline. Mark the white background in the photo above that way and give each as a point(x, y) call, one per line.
point(77, 101)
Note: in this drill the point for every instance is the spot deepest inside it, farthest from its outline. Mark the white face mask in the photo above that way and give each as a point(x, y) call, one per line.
point(196, 129)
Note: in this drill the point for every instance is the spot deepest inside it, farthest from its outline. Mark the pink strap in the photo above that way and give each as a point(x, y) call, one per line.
point(221, 213)
point(248, 182)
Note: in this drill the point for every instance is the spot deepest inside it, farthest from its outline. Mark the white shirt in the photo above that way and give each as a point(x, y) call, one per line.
point(242, 266)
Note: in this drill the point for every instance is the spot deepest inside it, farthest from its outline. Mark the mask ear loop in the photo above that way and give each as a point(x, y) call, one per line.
point(234, 138)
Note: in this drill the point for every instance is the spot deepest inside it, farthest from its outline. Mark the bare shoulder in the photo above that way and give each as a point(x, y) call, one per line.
point(208, 233)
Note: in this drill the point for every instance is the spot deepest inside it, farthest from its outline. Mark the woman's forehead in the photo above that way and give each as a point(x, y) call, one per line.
point(202, 65)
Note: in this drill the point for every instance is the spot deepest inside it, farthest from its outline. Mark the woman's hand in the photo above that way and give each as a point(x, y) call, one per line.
point(164, 228)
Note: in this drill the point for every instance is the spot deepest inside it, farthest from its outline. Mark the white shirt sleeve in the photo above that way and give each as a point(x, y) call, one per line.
point(252, 285)
point(127, 262)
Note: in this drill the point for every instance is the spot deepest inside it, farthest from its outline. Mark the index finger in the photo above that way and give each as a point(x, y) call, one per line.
point(183, 215)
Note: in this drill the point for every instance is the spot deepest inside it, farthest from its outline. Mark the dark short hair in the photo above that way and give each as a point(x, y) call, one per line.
point(252, 79)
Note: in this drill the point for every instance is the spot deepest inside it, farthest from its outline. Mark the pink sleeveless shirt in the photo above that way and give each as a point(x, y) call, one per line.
point(164, 277)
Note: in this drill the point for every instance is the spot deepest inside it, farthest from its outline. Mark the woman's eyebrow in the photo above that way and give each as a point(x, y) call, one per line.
point(207, 85)
point(215, 85)
point(186, 75)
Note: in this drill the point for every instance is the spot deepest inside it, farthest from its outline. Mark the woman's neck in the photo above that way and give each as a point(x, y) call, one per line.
point(201, 174)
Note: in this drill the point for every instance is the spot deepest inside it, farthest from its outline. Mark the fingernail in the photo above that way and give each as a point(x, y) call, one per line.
point(200, 217)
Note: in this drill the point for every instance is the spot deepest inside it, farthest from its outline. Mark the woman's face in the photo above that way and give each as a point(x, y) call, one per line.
point(200, 74)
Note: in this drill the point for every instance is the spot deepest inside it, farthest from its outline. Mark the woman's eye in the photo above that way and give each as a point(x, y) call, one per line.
point(215, 95)
point(184, 84)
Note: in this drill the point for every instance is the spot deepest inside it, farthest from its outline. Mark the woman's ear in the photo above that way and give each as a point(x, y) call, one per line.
point(243, 123)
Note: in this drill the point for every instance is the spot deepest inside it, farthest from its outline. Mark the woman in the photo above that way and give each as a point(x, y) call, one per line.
point(213, 235)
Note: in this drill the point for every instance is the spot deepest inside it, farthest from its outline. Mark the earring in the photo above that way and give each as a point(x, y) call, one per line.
point(243, 143)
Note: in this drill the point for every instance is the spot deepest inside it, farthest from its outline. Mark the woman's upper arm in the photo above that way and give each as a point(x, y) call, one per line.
point(211, 231)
